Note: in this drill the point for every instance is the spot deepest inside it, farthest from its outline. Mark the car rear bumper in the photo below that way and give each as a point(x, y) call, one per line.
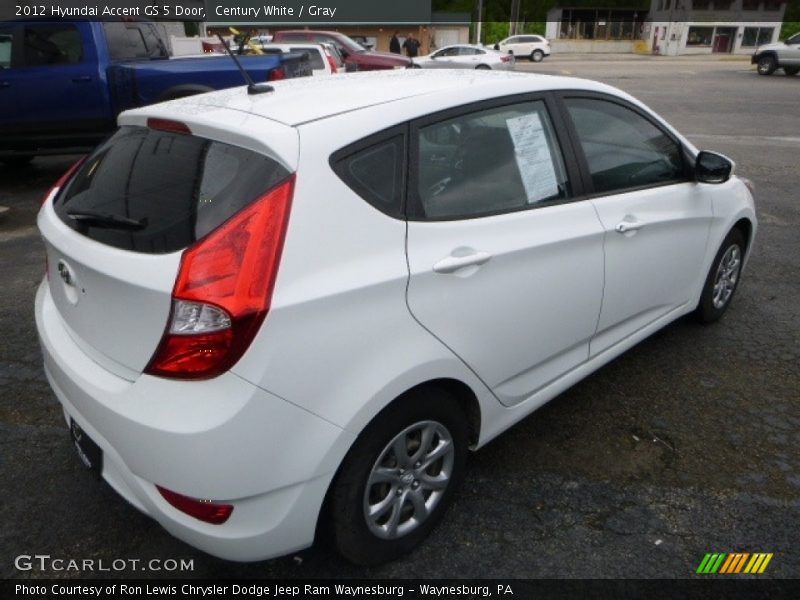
point(223, 439)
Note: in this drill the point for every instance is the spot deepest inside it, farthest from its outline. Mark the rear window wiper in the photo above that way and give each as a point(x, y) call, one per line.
point(108, 221)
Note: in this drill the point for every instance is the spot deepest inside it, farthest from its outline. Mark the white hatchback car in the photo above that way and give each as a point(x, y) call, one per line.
point(268, 315)
point(534, 47)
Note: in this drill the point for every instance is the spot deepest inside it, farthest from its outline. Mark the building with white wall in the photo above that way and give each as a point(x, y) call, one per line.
point(712, 26)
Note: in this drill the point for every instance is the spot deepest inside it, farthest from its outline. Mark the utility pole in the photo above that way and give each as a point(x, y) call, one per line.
point(514, 22)
point(479, 24)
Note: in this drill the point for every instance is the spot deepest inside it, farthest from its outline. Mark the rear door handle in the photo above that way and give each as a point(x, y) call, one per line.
point(452, 264)
point(4, 84)
point(82, 79)
point(626, 226)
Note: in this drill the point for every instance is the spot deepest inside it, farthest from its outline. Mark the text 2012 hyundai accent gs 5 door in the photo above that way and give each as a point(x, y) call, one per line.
point(268, 315)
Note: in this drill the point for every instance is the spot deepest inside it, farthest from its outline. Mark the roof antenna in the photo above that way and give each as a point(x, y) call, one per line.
point(252, 86)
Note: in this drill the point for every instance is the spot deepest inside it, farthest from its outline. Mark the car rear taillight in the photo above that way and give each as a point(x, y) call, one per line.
point(331, 61)
point(276, 74)
point(205, 510)
point(223, 290)
point(62, 181)
point(506, 58)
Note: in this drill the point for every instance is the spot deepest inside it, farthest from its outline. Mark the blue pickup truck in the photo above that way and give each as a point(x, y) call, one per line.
point(63, 83)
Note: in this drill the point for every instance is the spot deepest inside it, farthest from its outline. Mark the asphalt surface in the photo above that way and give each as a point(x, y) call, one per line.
point(686, 444)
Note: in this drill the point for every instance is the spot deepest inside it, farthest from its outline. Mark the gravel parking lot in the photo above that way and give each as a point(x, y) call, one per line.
point(685, 445)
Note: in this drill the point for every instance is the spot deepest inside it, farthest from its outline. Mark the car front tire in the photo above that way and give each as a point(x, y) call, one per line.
point(537, 56)
point(722, 279)
point(766, 65)
point(399, 477)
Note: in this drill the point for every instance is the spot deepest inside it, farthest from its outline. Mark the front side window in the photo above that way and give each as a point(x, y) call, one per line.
point(496, 160)
point(51, 45)
point(6, 41)
point(623, 149)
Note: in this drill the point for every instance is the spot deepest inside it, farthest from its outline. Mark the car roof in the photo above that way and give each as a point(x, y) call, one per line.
point(306, 99)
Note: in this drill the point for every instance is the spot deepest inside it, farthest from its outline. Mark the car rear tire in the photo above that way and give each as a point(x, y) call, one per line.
point(766, 65)
point(537, 56)
point(791, 71)
point(396, 481)
point(722, 279)
point(483, 67)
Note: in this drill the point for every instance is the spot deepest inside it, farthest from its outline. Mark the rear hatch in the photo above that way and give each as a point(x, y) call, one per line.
point(115, 233)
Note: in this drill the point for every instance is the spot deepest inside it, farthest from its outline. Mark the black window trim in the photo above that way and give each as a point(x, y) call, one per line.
point(588, 185)
point(338, 159)
point(413, 207)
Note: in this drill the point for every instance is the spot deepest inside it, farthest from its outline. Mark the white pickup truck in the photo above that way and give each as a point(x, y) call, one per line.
point(782, 55)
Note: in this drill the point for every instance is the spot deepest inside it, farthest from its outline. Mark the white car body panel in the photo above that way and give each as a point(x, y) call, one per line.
point(523, 45)
point(343, 339)
point(558, 268)
point(478, 58)
point(650, 271)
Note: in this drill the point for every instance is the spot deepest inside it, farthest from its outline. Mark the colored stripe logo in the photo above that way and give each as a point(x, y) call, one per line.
point(733, 563)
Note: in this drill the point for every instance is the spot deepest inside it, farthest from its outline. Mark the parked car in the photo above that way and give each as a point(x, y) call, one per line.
point(62, 83)
point(322, 60)
point(465, 56)
point(267, 316)
point(534, 47)
point(783, 55)
point(356, 57)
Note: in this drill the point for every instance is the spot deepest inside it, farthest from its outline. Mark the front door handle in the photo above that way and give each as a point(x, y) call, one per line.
point(4, 84)
point(626, 226)
point(82, 79)
point(452, 264)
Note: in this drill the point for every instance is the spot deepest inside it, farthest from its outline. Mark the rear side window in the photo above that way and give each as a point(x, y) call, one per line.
point(156, 192)
point(375, 172)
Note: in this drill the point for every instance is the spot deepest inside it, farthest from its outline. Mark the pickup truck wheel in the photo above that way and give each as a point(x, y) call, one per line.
point(791, 70)
point(16, 161)
point(396, 481)
point(766, 65)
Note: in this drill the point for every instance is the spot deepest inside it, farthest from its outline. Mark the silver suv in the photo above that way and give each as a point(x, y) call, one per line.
point(782, 55)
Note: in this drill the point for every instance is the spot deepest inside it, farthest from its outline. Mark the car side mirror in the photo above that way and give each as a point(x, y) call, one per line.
point(710, 167)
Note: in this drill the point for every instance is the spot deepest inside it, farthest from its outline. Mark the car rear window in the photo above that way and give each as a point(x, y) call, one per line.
point(157, 192)
point(314, 56)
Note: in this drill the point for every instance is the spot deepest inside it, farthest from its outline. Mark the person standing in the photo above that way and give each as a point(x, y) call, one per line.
point(394, 44)
point(411, 46)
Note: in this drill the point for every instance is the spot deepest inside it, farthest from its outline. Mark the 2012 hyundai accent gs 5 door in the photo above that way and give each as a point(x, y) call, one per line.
point(268, 315)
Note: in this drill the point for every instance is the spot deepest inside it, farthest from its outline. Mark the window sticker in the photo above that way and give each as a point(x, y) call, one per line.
point(533, 156)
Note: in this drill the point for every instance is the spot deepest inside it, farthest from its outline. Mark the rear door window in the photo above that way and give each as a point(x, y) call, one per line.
point(488, 162)
point(157, 192)
point(51, 45)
